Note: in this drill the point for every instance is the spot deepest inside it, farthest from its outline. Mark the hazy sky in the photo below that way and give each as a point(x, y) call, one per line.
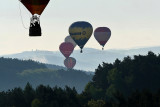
point(134, 23)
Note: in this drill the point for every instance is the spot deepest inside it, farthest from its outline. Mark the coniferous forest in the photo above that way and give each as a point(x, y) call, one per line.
point(132, 82)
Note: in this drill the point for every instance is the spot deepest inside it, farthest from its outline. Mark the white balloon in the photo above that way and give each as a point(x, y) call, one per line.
point(69, 39)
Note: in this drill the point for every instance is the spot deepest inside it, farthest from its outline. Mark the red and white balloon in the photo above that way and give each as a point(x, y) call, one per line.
point(102, 35)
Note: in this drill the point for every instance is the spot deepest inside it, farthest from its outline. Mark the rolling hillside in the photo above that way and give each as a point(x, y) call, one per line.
point(14, 73)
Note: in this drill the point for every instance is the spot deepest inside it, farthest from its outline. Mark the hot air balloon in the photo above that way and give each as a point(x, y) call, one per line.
point(66, 49)
point(69, 39)
point(70, 62)
point(36, 8)
point(102, 35)
point(80, 32)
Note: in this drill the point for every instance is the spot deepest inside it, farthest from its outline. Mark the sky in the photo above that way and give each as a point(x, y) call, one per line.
point(134, 23)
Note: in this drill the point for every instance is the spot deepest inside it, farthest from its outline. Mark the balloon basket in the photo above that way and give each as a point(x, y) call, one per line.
point(35, 28)
point(35, 31)
point(81, 51)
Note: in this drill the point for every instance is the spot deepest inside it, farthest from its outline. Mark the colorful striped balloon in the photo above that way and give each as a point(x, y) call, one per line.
point(70, 62)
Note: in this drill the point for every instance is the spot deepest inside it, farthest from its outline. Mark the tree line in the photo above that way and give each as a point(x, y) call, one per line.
point(45, 96)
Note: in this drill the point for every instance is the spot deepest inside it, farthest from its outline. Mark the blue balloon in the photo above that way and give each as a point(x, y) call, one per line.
point(80, 32)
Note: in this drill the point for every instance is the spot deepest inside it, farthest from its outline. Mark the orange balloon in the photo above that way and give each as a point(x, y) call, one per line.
point(35, 6)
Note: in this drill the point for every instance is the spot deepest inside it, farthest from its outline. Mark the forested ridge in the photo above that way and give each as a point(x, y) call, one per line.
point(16, 73)
point(132, 82)
point(15, 65)
point(140, 72)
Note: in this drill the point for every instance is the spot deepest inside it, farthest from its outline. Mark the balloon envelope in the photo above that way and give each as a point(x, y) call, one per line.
point(80, 32)
point(35, 6)
point(66, 49)
point(102, 35)
point(70, 62)
point(69, 39)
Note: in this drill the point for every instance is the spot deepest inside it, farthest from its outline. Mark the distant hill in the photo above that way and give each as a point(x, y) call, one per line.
point(137, 51)
point(14, 73)
point(88, 60)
